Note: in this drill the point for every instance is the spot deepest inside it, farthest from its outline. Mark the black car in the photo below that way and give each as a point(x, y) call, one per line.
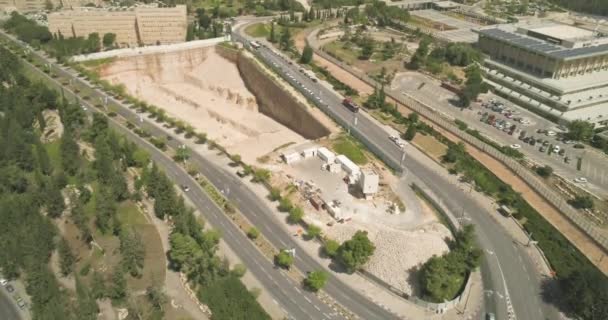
point(9, 288)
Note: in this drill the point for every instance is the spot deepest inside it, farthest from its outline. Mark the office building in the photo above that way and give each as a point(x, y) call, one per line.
point(555, 69)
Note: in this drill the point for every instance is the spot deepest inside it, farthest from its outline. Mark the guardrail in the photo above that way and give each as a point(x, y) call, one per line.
point(530, 178)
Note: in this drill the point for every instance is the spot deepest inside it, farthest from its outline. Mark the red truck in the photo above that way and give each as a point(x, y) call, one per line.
point(348, 102)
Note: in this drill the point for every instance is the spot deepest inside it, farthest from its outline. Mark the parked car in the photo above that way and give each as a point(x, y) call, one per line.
point(562, 152)
point(542, 149)
point(551, 133)
point(580, 180)
point(3, 282)
point(9, 288)
point(567, 159)
point(532, 142)
point(556, 148)
point(515, 146)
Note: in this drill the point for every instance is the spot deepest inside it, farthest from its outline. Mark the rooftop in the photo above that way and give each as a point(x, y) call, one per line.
point(562, 32)
point(542, 47)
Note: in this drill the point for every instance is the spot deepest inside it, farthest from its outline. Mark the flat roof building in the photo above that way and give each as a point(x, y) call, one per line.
point(556, 69)
point(132, 26)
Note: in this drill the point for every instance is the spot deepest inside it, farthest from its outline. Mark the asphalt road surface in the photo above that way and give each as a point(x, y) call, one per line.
point(510, 280)
point(8, 309)
point(299, 304)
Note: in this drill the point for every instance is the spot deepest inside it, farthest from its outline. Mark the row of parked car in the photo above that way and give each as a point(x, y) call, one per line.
point(10, 289)
point(509, 113)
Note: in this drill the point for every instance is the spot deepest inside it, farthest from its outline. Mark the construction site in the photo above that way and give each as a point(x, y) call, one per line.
point(253, 114)
point(205, 90)
point(342, 197)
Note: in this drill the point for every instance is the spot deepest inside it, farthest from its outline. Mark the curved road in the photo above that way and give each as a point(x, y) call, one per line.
point(512, 285)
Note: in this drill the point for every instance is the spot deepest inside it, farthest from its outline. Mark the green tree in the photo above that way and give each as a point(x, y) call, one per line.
point(66, 258)
point(118, 290)
point(98, 286)
point(284, 259)
point(313, 231)
point(580, 130)
point(285, 41)
point(105, 210)
point(306, 57)
point(86, 305)
point(253, 233)
point(544, 171)
point(355, 252)
point(585, 294)
point(93, 42)
point(316, 280)
point(70, 157)
point(367, 48)
point(410, 133)
point(156, 296)
point(109, 39)
point(295, 215)
point(330, 248)
point(582, 202)
point(272, 38)
point(132, 251)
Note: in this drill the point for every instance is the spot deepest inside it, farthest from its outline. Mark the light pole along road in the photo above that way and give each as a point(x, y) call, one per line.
point(518, 279)
point(299, 304)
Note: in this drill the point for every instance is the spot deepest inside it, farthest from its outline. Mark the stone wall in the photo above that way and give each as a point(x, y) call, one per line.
point(274, 101)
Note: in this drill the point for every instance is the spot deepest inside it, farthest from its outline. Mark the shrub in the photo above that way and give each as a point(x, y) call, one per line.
point(285, 205)
point(330, 248)
point(545, 171)
point(284, 259)
point(316, 280)
point(313, 231)
point(295, 215)
point(253, 233)
point(275, 194)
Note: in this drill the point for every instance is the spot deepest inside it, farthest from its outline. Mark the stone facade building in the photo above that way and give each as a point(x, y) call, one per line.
point(133, 26)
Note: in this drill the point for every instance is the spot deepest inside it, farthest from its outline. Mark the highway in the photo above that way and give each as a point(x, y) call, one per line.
point(299, 304)
point(509, 275)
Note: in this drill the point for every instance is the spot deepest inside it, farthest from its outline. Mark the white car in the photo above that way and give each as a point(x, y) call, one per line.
point(556, 148)
point(393, 138)
point(3, 282)
point(580, 180)
point(551, 133)
point(515, 146)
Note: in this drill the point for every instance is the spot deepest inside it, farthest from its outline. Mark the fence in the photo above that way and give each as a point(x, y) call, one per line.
point(443, 121)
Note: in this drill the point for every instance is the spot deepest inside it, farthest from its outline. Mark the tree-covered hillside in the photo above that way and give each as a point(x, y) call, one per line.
point(595, 7)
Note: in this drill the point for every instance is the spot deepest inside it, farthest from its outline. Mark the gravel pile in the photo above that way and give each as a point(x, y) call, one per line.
point(397, 251)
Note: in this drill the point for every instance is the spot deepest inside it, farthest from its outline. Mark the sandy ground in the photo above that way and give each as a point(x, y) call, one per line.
point(403, 241)
point(205, 90)
point(53, 129)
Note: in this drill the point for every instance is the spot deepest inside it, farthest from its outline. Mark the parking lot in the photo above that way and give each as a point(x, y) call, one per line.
point(593, 163)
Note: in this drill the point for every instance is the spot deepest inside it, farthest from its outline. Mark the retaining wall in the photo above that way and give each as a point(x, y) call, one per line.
point(273, 100)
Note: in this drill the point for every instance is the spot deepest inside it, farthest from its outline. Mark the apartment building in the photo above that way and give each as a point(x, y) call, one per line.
point(132, 26)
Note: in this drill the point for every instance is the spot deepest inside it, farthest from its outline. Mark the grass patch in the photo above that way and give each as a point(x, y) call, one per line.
point(97, 62)
point(228, 299)
point(259, 30)
point(53, 150)
point(337, 49)
point(351, 148)
point(129, 214)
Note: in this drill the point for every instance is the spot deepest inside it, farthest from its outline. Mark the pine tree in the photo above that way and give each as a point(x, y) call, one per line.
point(66, 258)
point(118, 291)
